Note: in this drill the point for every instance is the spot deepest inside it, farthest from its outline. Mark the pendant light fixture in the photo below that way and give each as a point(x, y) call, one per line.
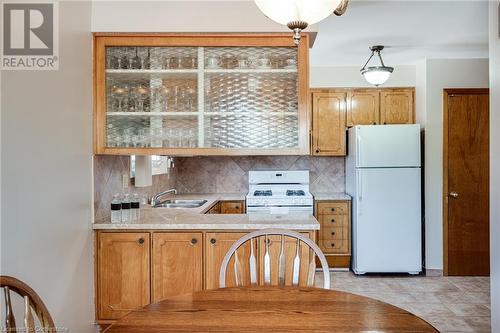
point(298, 14)
point(376, 75)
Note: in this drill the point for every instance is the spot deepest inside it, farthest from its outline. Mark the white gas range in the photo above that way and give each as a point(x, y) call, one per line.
point(279, 192)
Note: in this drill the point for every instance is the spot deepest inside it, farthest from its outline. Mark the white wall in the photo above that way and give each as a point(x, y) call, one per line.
point(440, 74)
point(46, 191)
point(495, 165)
point(349, 76)
point(182, 16)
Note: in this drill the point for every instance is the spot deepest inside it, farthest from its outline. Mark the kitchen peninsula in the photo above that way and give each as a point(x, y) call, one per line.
point(172, 251)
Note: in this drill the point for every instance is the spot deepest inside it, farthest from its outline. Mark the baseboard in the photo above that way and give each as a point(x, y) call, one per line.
point(433, 272)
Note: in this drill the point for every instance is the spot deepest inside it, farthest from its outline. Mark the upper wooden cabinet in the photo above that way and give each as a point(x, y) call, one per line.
point(396, 106)
point(363, 107)
point(328, 123)
point(213, 94)
point(122, 273)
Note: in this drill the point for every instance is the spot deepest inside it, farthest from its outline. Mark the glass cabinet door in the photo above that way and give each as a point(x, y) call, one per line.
point(200, 99)
point(152, 97)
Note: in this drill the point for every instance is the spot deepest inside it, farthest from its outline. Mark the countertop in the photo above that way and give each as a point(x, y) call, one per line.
point(331, 196)
point(196, 219)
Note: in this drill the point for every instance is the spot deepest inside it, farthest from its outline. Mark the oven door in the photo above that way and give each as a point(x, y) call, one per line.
point(280, 210)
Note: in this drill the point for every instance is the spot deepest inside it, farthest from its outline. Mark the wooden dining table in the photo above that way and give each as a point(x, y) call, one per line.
point(269, 309)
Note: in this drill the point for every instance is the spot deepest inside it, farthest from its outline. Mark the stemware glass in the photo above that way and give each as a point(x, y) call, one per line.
point(166, 63)
point(191, 94)
point(165, 93)
point(119, 93)
point(136, 61)
point(141, 93)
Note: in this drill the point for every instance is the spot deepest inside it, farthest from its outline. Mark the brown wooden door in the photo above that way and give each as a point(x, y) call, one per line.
point(216, 246)
point(363, 107)
point(396, 106)
point(123, 273)
point(177, 263)
point(466, 181)
point(328, 124)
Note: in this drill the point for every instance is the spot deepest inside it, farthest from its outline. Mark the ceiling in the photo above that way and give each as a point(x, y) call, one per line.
point(411, 30)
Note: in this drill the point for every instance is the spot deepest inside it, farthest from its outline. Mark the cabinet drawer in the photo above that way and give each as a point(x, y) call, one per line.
point(335, 233)
point(329, 221)
point(232, 207)
point(335, 246)
point(333, 208)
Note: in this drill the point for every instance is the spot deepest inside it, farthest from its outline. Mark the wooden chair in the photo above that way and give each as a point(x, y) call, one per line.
point(301, 273)
point(31, 301)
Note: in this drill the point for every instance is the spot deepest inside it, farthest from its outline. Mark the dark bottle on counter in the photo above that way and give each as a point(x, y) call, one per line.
point(116, 207)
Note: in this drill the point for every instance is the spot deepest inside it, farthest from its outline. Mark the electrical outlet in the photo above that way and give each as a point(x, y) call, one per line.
point(125, 180)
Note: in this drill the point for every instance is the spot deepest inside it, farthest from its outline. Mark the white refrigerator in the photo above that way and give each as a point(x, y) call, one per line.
point(383, 178)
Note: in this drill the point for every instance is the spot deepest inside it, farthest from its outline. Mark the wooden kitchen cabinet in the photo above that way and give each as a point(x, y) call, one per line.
point(232, 207)
point(123, 276)
point(396, 106)
point(334, 236)
point(177, 264)
point(197, 94)
point(216, 246)
point(328, 123)
point(363, 107)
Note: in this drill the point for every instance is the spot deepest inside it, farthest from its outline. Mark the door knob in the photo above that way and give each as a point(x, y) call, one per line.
point(453, 194)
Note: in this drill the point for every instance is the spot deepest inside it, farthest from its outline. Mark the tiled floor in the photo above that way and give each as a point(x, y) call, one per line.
point(451, 304)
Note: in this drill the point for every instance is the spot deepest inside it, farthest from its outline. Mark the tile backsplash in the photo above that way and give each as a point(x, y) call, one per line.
point(230, 174)
point(214, 174)
point(108, 171)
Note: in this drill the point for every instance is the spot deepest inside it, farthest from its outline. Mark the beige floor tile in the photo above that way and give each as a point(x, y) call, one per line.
point(433, 309)
point(449, 324)
point(466, 309)
point(479, 324)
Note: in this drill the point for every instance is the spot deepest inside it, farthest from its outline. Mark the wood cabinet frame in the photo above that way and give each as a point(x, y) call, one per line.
point(203, 243)
point(101, 40)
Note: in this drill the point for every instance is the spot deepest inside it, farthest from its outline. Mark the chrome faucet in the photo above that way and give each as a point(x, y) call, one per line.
point(155, 200)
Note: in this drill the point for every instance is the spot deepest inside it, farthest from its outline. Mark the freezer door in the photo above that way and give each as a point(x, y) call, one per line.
point(386, 146)
point(387, 221)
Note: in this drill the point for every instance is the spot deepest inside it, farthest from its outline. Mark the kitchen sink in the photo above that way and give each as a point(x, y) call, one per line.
point(181, 203)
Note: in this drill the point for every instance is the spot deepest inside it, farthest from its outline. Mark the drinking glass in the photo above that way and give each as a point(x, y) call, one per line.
point(143, 137)
point(119, 93)
point(136, 61)
point(140, 93)
point(124, 62)
point(146, 61)
point(191, 94)
point(175, 63)
point(165, 93)
point(166, 63)
point(113, 62)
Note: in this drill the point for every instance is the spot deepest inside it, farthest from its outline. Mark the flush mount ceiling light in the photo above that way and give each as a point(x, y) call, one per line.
point(376, 75)
point(298, 14)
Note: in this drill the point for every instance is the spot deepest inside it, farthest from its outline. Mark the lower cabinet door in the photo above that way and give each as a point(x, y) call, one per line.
point(123, 273)
point(232, 207)
point(177, 263)
point(216, 246)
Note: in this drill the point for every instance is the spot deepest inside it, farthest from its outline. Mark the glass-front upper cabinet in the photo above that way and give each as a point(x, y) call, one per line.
point(201, 94)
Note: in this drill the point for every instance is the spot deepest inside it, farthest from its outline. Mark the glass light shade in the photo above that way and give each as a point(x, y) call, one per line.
point(377, 75)
point(308, 11)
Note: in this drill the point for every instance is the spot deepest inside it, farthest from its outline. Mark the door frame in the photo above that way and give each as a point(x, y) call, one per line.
point(446, 94)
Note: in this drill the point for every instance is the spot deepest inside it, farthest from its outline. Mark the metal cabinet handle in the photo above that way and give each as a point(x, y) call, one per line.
point(317, 150)
point(194, 241)
point(140, 241)
point(333, 233)
point(333, 209)
point(374, 123)
point(333, 220)
point(213, 241)
point(453, 194)
point(333, 244)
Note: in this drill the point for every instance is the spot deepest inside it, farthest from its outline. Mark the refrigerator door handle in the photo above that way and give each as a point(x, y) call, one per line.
point(359, 190)
point(358, 150)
